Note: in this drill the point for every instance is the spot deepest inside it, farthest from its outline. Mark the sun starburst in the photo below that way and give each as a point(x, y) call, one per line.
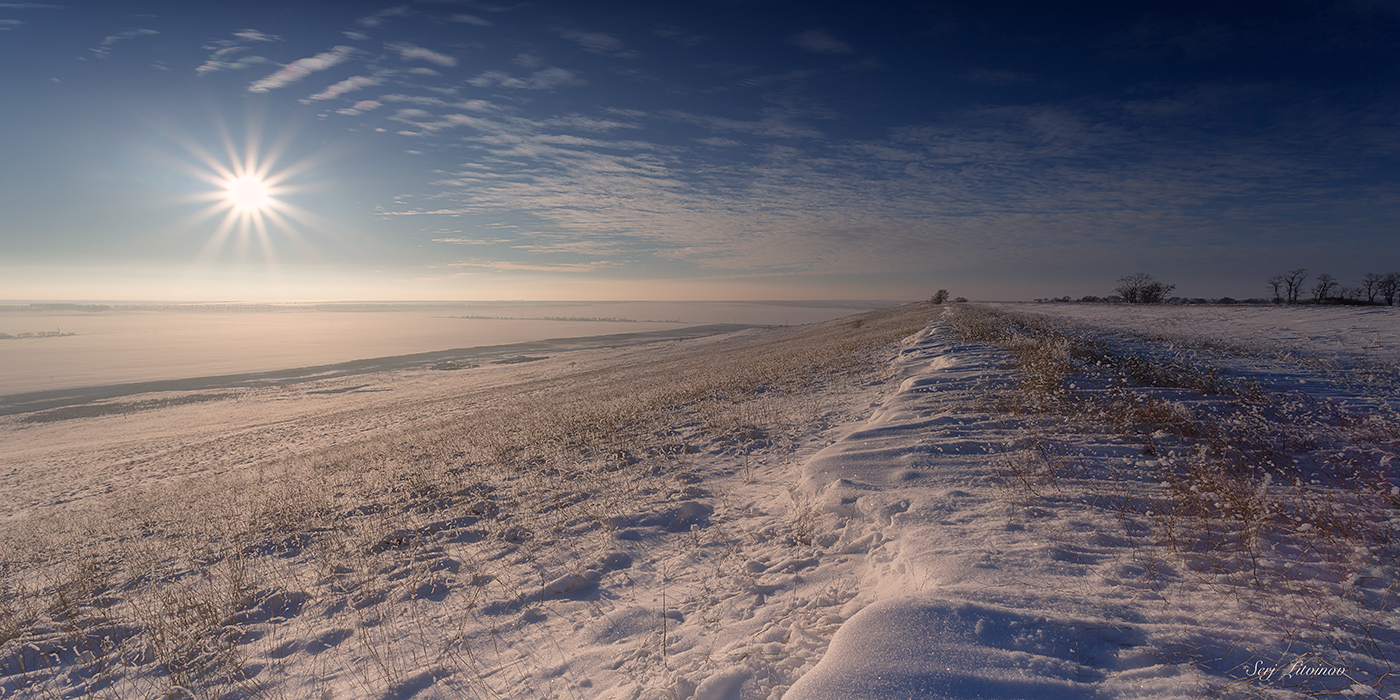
point(247, 192)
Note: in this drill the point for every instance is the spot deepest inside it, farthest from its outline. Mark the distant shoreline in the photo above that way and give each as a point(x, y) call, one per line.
point(508, 353)
point(590, 319)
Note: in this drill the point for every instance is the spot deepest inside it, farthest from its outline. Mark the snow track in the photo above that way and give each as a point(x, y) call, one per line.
point(951, 616)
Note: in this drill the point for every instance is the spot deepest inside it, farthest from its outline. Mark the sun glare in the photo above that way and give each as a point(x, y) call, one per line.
point(248, 194)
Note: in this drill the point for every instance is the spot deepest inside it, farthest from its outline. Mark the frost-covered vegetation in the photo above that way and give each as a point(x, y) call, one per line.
point(1256, 504)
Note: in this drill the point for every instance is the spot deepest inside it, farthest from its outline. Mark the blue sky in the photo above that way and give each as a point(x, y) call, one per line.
point(704, 150)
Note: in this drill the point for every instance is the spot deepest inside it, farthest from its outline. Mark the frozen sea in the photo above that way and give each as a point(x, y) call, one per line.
point(46, 347)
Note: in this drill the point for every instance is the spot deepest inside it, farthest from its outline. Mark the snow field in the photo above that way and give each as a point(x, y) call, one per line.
point(989, 504)
point(605, 524)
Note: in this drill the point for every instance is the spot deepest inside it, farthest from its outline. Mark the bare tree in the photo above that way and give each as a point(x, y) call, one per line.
point(1277, 283)
point(1389, 285)
point(1371, 286)
point(940, 297)
point(1323, 288)
point(1143, 289)
point(1293, 283)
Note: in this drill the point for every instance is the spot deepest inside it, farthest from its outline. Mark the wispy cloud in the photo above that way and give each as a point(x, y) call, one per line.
point(409, 52)
point(820, 41)
point(471, 19)
point(547, 79)
point(29, 6)
point(599, 43)
point(360, 107)
point(255, 35)
point(511, 266)
point(224, 49)
point(458, 240)
point(580, 122)
point(7, 24)
point(347, 85)
point(217, 61)
point(774, 125)
point(678, 35)
point(297, 70)
point(377, 19)
point(105, 48)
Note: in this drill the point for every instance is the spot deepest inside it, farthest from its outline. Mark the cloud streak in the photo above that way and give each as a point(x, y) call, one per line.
point(224, 50)
point(598, 43)
point(471, 19)
point(361, 107)
point(378, 18)
point(409, 52)
point(299, 69)
point(512, 266)
point(820, 41)
point(104, 49)
point(348, 85)
point(547, 79)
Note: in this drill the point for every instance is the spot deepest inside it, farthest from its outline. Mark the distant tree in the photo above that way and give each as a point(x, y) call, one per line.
point(1324, 287)
point(940, 297)
point(1293, 283)
point(1277, 283)
point(1143, 289)
point(960, 300)
point(1389, 285)
point(1371, 286)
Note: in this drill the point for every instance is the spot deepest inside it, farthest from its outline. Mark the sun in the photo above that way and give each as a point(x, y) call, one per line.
point(248, 194)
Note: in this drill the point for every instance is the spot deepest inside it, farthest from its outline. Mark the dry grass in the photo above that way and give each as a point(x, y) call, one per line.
point(1283, 507)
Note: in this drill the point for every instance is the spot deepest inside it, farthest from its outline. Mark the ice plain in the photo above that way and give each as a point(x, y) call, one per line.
point(964, 501)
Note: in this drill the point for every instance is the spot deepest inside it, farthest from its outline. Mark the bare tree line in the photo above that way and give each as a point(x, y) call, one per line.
point(1289, 288)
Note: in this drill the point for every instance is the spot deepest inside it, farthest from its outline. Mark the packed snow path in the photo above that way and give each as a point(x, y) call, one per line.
point(968, 604)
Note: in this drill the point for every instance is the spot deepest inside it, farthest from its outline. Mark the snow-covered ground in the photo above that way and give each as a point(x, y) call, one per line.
point(872, 507)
